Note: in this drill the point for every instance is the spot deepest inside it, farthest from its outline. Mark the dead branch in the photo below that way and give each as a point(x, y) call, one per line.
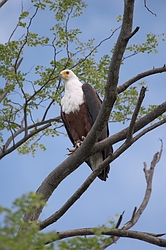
point(149, 9)
point(3, 2)
point(137, 212)
point(149, 177)
point(140, 124)
point(150, 128)
point(128, 83)
point(135, 114)
point(143, 236)
point(119, 220)
point(132, 33)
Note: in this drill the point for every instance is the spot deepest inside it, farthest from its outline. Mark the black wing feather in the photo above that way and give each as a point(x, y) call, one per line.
point(94, 103)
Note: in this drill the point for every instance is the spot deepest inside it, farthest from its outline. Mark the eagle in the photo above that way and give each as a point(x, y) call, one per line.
point(80, 106)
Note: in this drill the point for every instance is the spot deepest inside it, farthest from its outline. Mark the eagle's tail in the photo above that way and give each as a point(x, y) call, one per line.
point(94, 161)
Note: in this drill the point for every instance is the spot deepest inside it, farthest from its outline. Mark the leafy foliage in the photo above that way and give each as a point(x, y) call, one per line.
point(12, 228)
point(15, 233)
point(149, 46)
point(84, 243)
point(90, 241)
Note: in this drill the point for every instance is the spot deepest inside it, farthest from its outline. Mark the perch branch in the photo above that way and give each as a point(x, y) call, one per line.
point(143, 236)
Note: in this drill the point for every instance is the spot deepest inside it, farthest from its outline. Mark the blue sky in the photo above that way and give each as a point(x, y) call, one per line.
point(126, 184)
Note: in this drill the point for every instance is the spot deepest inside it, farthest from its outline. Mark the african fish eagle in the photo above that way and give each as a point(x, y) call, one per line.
point(80, 106)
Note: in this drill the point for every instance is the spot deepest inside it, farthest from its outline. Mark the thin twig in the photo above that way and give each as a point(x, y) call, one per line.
point(66, 32)
point(98, 45)
point(8, 82)
point(46, 111)
point(149, 9)
point(119, 220)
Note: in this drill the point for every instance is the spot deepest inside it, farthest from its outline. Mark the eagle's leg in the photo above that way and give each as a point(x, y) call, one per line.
point(77, 145)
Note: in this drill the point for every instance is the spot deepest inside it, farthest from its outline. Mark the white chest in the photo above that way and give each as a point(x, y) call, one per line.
point(72, 99)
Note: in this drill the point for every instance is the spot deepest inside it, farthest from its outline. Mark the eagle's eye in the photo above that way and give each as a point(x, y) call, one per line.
point(67, 72)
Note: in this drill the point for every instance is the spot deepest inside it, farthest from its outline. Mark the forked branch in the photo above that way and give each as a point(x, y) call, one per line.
point(137, 212)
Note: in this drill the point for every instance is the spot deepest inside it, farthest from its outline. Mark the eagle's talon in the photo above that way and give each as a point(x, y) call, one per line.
point(71, 150)
point(77, 145)
point(83, 139)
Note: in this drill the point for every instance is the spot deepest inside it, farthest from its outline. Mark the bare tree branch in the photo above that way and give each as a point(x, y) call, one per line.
point(128, 83)
point(137, 212)
point(3, 2)
point(149, 9)
point(132, 33)
point(45, 113)
point(141, 123)
point(143, 236)
point(119, 220)
point(135, 114)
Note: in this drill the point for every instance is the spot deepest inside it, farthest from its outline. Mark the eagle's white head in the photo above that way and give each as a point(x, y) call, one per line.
point(68, 75)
